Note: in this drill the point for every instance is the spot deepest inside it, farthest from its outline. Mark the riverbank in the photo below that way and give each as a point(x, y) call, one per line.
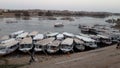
point(107, 57)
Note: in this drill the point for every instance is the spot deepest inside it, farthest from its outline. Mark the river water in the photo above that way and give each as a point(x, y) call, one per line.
point(36, 24)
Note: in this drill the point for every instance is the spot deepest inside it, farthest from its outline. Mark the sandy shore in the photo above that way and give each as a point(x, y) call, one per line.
point(107, 57)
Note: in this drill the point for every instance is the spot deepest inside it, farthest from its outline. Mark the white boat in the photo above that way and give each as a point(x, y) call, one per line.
point(26, 44)
point(53, 47)
point(105, 39)
point(23, 35)
point(14, 34)
point(41, 45)
point(38, 37)
point(79, 44)
point(3, 38)
point(8, 40)
point(66, 45)
point(32, 34)
point(58, 25)
point(8, 47)
point(66, 34)
point(60, 36)
point(52, 34)
point(88, 41)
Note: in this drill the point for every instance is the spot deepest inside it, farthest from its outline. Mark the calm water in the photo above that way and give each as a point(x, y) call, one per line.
point(48, 25)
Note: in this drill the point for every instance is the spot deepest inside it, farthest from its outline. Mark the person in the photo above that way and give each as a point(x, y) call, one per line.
point(118, 45)
point(32, 53)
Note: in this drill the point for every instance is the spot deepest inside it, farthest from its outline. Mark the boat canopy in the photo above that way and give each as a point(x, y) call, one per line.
point(55, 43)
point(85, 38)
point(45, 41)
point(18, 32)
point(9, 44)
point(9, 40)
point(27, 40)
point(33, 33)
point(67, 41)
point(52, 34)
point(68, 34)
point(60, 36)
point(78, 41)
point(38, 37)
point(23, 35)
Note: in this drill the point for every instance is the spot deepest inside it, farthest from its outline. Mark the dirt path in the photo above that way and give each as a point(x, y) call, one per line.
point(108, 57)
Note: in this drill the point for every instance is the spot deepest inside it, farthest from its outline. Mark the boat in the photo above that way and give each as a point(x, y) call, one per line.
point(58, 25)
point(23, 35)
point(32, 34)
point(52, 34)
point(41, 45)
point(90, 43)
point(105, 39)
point(67, 45)
point(8, 40)
point(70, 35)
point(38, 37)
point(53, 47)
point(79, 44)
point(60, 37)
point(3, 38)
point(14, 34)
point(26, 44)
point(8, 47)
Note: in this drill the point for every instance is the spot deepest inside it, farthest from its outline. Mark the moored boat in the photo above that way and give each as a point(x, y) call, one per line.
point(53, 47)
point(67, 45)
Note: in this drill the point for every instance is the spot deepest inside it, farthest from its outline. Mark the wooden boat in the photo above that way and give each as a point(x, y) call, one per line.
point(23, 35)
point(88, 41)
point(66, 45)
point(58, 25)
point(53, 47)
point(66, 34)
point(52, 34)
point(38, 37)
point(60, 37)
point(14, 34)
point(8, 47)
point(26, 44)
point(79, 44)
point(41, 45)
point(105, 39)
point(32, 34)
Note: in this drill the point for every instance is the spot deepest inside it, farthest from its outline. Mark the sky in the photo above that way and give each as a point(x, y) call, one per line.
point(73, 5)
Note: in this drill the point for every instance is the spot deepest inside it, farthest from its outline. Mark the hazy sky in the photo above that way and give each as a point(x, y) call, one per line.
point(81, 5)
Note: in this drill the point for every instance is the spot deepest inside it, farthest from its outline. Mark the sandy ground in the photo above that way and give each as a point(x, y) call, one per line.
point(108, 57)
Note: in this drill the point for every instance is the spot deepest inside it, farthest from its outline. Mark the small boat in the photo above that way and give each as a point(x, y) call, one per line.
point(90, 43)
point(58, 25)
point(8, 47)
point(38, 37)
point(8, 40)
point(32, 34)
point(66, 34)
point(52, 34)
point(60, 37)
point(3, 38)
point(13, 35)
point(41, 45)
point(105, 39)
point(23, 35)
point(26, 44)
point(53, 47)
point(79, 44)
point(66, 45)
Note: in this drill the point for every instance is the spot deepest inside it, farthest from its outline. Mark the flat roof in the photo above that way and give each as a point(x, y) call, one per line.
point(55, 43)
point(33, 33)
point(27, 40)
point(67, 41)
point(45, 41)
point(9, 44)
